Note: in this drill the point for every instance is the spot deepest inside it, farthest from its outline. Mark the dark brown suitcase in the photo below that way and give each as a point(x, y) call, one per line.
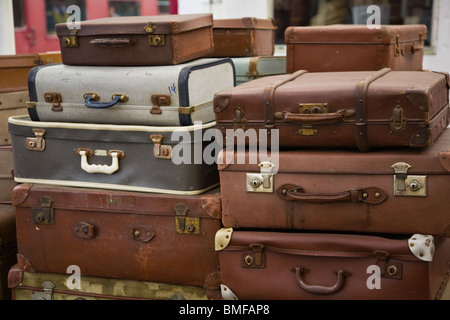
point(14, 69)
point(139, 40)
point(113, 234)
point(245, 37)
point(400, 191)
point(355, 48)
point(8, 247)
point(363, 109)
point(312, 266)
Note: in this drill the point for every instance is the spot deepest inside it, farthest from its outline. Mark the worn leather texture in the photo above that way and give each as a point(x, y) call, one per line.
point(263, 265)
point(362, 109)
point(126, 40)
point(125, 235)
point(355, 48)
point(312, 190)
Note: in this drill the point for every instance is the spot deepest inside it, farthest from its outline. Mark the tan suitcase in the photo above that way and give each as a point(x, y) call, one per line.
point(11, 104)
point(7, 182)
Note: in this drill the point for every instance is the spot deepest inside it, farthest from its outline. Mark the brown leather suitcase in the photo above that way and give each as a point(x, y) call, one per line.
point(399, 191)
point(361, 109)
point(318, 266)
point(245, 37)
point(122, 235)
point(14, 69)
point(27, 286)
point(355, 48)
point(138, 40)
point(7, 182)
point(8, 247)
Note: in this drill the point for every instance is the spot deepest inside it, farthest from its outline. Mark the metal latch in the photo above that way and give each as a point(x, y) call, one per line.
point(37, 143)
point(161, 151)
point(398, 121)
point(255, 258)
point(159, 100)
point(261, 182)
point(408, 185)
point(46, 294)
point(185, 224)
point(55, 98)
point(72, 40)
point(239, 121)
point(43, 214)
point(153, 39)
point(388, 269)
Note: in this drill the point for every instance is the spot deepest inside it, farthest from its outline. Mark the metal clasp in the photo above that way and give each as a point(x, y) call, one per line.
point(408, 185)
point(261, 182)
point(44, 214)
point(185, 224)
point(72, 40)
point(255, 258)
point(46, 294)
point(161, 151)
point(398, 121)
point(55, 98)
point(37, 143)
point(159, 100)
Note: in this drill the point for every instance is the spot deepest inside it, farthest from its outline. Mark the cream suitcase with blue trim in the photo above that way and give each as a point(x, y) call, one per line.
point(175, 95)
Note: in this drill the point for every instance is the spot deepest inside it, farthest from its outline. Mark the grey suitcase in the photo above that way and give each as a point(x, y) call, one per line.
point(167, 160)
point(250, 68)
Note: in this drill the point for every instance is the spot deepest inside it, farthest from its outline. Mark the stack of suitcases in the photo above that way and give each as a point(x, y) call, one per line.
point(345, 201)
point(348, 202)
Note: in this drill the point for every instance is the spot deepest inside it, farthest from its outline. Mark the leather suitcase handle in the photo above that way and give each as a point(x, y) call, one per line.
point(111, 42)
point(367, 195)
point(338, 116)
point(317, 289)
point(92, 101)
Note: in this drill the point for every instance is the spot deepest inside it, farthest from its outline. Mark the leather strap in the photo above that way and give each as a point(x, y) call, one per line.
point(268, 97)
point(361, 108)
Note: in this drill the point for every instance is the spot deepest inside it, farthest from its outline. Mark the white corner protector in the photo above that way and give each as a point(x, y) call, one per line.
point(227, 294)
point(422, 246)
point(223, 238)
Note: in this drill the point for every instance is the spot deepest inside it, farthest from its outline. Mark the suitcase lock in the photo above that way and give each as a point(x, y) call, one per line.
point(262, 182)
point(46, 293)
point(37, 143)
point(161, 151)
point(43, 214)
point(184, 224)
point(54, 98)
point(408, 185)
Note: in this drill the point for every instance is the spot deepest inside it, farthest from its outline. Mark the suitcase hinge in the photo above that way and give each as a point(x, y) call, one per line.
point(262, 182)
point(255, 258)
point(72, 40)
point(184, 224)
point(46, 293)
point(54, 98)
point(38, 143)
point(161, 151)
point(398, 121)
point(44, 214)
point(159, 100)
point(388, 269)
point(408, 185)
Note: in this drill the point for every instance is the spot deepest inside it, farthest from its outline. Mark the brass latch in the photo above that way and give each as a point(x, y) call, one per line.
point(185, 224)
point(54, 98)
point(161, 151)
point(44, 214)
point(239, 121)
point(388, 269)
point(408, 185)
point(154, 40)
point(159, 100)
point(45, 294)
point(72, 40)
point(398, 121)
point(311, 108)
point(37, 143)
point(261, 182)
point(255, 258)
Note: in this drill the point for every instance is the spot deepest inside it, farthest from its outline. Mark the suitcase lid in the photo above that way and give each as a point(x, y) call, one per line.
point(207, 205)
point(434, 160)
point(416, 247)
point(244, 23)
point(161, 24)
point(356, 34)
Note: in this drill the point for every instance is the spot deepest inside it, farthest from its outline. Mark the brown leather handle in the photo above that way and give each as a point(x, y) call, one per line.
point(111, 42)
point(338, 116)
point(371, 195)
point(317, 289)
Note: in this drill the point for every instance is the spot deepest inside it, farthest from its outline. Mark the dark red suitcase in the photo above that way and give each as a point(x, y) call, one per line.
point(114, 234)
point(319, 266)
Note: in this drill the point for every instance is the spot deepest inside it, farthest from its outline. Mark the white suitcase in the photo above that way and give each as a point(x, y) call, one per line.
point(250, 68)
point(175, 95)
